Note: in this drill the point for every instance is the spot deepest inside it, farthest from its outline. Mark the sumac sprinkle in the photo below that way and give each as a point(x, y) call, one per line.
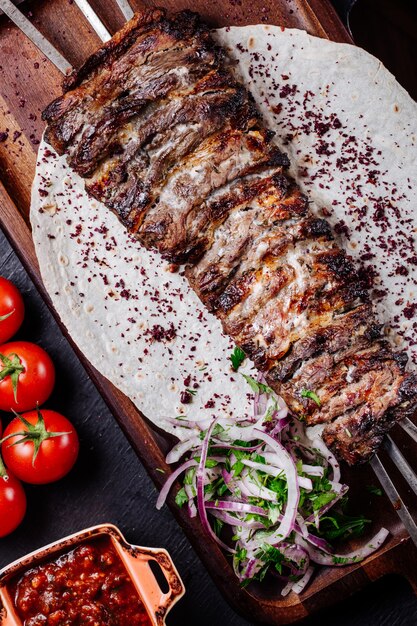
point(159, 333)
point(185, 397)
point(86, 586)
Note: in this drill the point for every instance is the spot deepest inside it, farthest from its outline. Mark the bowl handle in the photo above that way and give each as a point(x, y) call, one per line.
point(158, 603)
point(7, 620)
point(7, 614)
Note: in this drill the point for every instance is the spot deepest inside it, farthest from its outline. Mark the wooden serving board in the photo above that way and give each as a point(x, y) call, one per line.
point(27, 83)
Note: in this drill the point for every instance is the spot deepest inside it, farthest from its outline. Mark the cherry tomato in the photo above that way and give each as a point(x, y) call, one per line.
point(12, 310)
point(27, 376)
point(12, 502)
point(40, 446)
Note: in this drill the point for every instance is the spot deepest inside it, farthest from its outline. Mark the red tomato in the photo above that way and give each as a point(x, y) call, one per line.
point(27, 376)
point(12, 310)
point(12, 502)
point(41, 449)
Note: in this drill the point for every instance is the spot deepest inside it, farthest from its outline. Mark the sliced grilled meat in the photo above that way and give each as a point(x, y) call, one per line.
point(170, 141)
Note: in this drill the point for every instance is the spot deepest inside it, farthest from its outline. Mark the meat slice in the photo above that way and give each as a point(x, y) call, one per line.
point(269, 200)
point(219, 159)
point(167, 137)
point(149, 57)
point(149, 146)
point(357, 434)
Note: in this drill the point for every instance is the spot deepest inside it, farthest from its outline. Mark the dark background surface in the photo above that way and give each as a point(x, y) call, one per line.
point(109, 484)
point(387, 29)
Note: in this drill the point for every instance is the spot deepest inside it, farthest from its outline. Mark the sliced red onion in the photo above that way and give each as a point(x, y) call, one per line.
point(356, 556)
point(200, 490)
point(302, 481)
point(235, 522)
point(181, 448)
point(301, 584)
point(171, 480)
point(336, 487)
point(293, 446)
point(318, 514)
point(302, 525)
point(260, 403)
point(243, 433)
point(288, 587)
point(281, 421)
point(312, 470)
point(293, 490)
point(300, 557)
point(251, 568)
point(186, 423)
point(234, 485)
point(236, 507)
point(255, 490)
point(319, 542)
point(329, 456)
point(192, 509)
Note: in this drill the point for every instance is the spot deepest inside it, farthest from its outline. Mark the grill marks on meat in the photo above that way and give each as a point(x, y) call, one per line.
point(170, 141)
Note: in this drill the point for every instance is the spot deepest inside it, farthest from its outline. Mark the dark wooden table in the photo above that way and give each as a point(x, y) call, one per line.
point(109, 484)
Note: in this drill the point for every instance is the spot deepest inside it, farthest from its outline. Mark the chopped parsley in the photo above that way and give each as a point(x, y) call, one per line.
point(308, 393)
point(339, 525)
point(237, 357)
point(181, 498)
point(256, 386)
point(272, 557)
point(217, 525)
point(322, 499)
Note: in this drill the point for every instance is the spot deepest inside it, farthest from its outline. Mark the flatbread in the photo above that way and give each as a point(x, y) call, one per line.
point(350, 131)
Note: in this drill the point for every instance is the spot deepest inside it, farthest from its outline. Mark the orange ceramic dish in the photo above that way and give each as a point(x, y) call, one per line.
point(63, 557)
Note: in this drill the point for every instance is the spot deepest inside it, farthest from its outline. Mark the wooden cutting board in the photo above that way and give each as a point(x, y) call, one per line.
point(27, 83)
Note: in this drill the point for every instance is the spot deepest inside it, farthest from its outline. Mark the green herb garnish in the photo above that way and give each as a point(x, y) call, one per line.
point(181, 498)
point(307, 393)
point(338, 525)
point(256, 386)
point(237, 357)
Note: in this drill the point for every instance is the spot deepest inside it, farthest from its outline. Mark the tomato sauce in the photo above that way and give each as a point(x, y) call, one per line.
point(88, 586)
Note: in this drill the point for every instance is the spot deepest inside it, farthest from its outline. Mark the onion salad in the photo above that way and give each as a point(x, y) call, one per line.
point(267, 493)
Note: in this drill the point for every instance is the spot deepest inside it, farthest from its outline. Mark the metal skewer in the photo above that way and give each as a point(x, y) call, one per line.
point(93, 19)
point(411, 429)
point(35, 36)
point(395, 498)
point(401, 463)
point(125, 8)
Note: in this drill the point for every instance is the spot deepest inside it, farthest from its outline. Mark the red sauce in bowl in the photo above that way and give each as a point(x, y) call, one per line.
point(88, 586)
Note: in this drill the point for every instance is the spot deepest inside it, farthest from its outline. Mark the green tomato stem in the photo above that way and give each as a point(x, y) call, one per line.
point(4, 317)
point(36, 433)
point(3, 470)
point(12, 367)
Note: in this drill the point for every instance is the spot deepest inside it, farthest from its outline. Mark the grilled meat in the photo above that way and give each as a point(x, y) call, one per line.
point(170, 141)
